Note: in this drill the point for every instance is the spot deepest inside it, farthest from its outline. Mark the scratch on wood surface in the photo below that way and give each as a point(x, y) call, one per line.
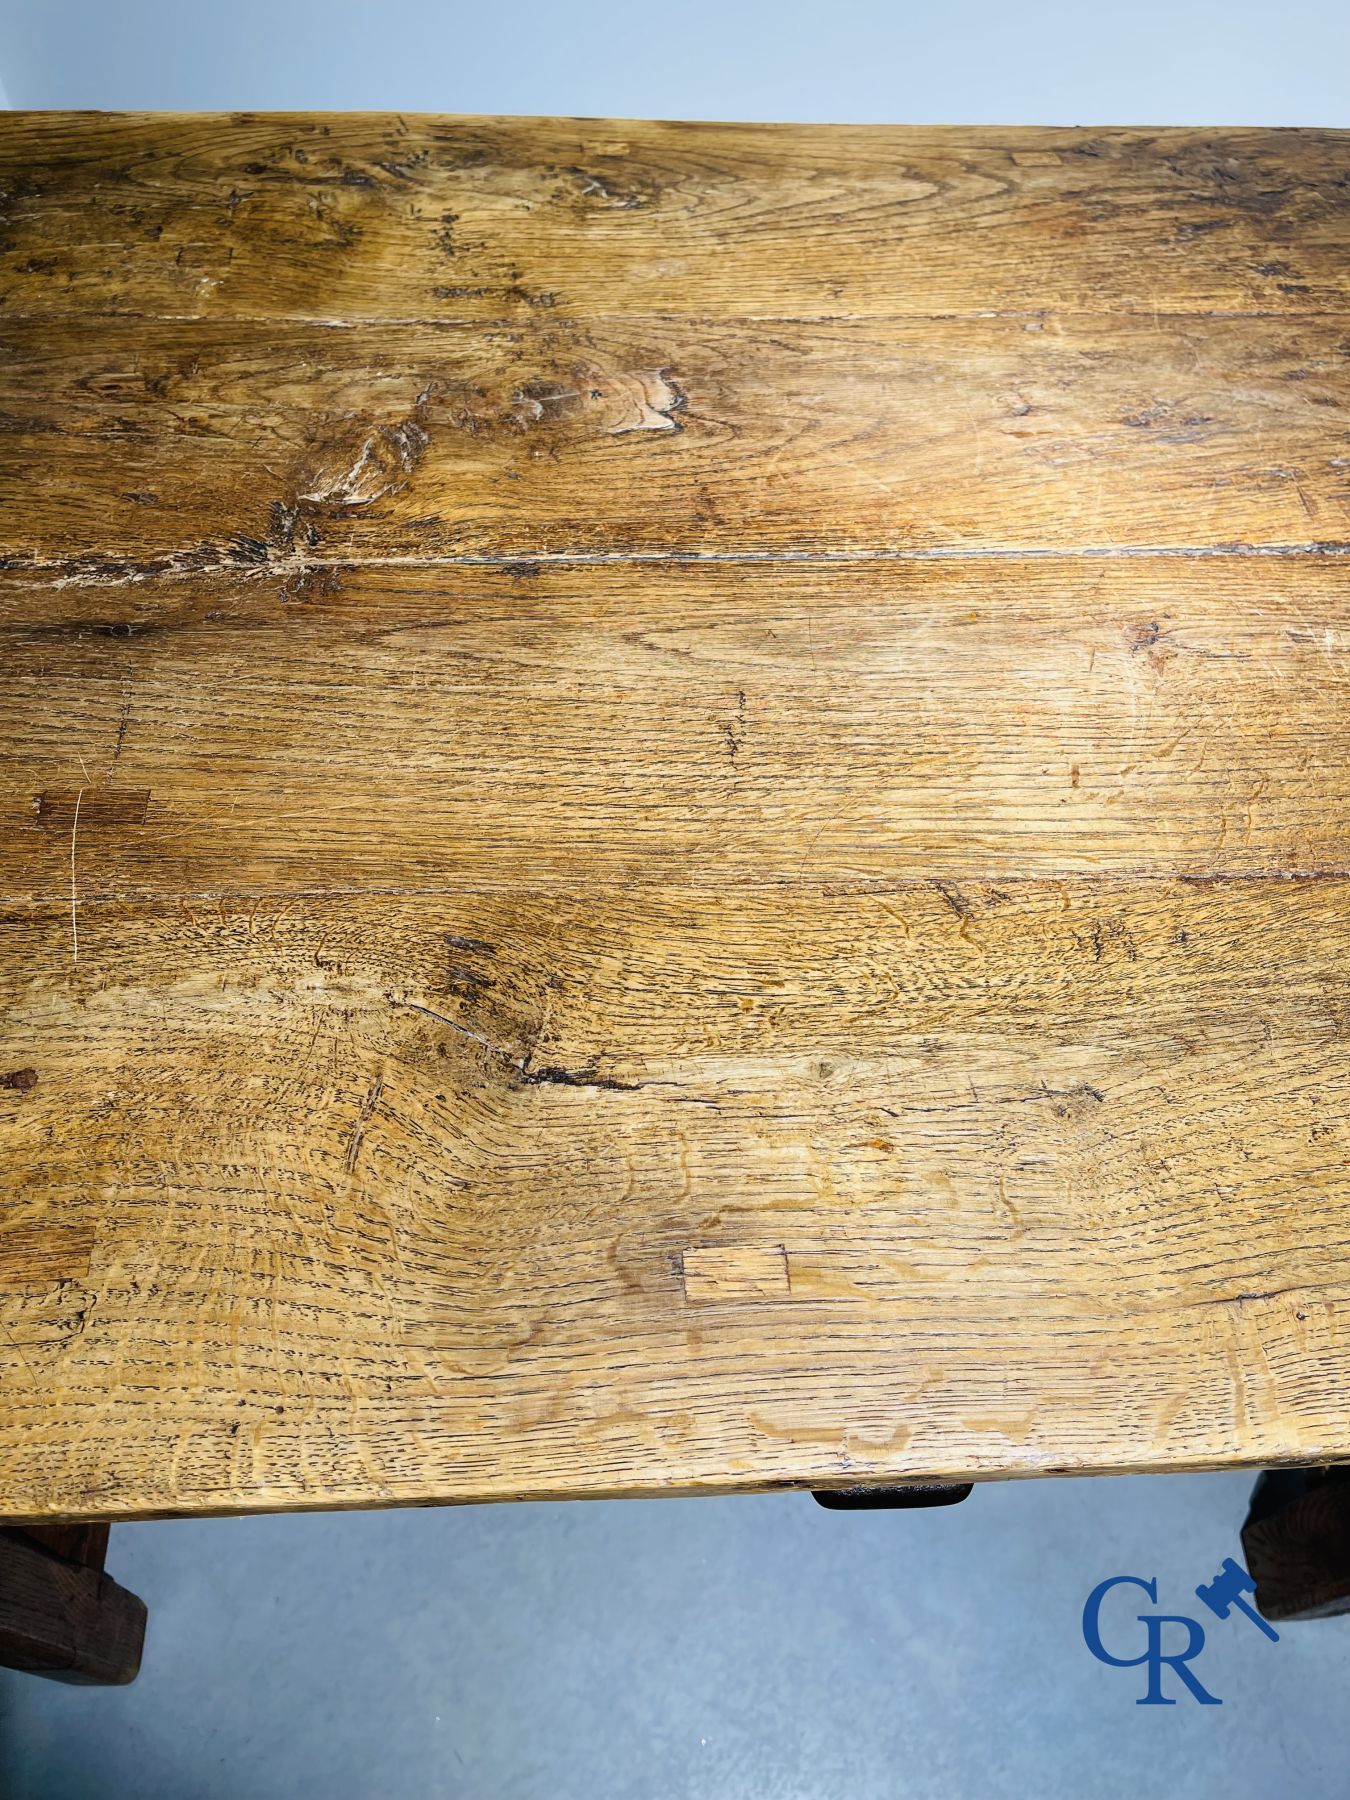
point(363, 1119)
point(74, 926)
point(20, 1352)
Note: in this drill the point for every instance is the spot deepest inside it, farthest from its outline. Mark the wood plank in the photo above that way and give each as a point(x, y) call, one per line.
point(379, 728)
point(384, 217)
point(404, 1198)
point(148, 445)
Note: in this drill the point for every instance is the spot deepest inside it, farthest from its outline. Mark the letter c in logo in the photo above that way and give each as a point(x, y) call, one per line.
point(1092, 1619)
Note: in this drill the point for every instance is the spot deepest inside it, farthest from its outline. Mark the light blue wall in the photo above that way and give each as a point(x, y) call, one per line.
point(991, 61)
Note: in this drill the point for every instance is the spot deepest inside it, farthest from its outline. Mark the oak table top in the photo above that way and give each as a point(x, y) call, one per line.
point(675, 807)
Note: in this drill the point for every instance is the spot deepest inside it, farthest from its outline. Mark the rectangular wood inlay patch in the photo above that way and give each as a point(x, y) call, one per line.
point(35, 1256)
point(736, 1272)
point(98, 806)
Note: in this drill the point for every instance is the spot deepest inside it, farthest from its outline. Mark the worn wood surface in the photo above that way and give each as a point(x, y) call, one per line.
point(387, 218)
point(675, 807)
point(150, 446)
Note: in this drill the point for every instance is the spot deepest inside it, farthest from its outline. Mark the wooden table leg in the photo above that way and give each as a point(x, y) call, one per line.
point(60, 1615)
point(1297, 1543)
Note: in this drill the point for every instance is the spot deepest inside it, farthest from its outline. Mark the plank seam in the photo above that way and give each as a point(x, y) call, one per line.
point(94, 571)
point(840, 887)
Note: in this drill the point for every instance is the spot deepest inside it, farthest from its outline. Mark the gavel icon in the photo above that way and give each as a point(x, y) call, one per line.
point(1225, 1592)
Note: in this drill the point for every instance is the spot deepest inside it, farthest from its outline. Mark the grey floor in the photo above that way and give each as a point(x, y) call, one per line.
point(732, 1649)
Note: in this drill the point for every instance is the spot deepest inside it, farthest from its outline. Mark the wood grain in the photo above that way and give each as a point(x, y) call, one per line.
point(150, 446)
point(438, 1195)
point(368, 217)
point(375, 728)
point(674, 807)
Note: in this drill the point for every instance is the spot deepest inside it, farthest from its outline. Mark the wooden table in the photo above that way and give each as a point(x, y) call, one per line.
point(676, 807)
